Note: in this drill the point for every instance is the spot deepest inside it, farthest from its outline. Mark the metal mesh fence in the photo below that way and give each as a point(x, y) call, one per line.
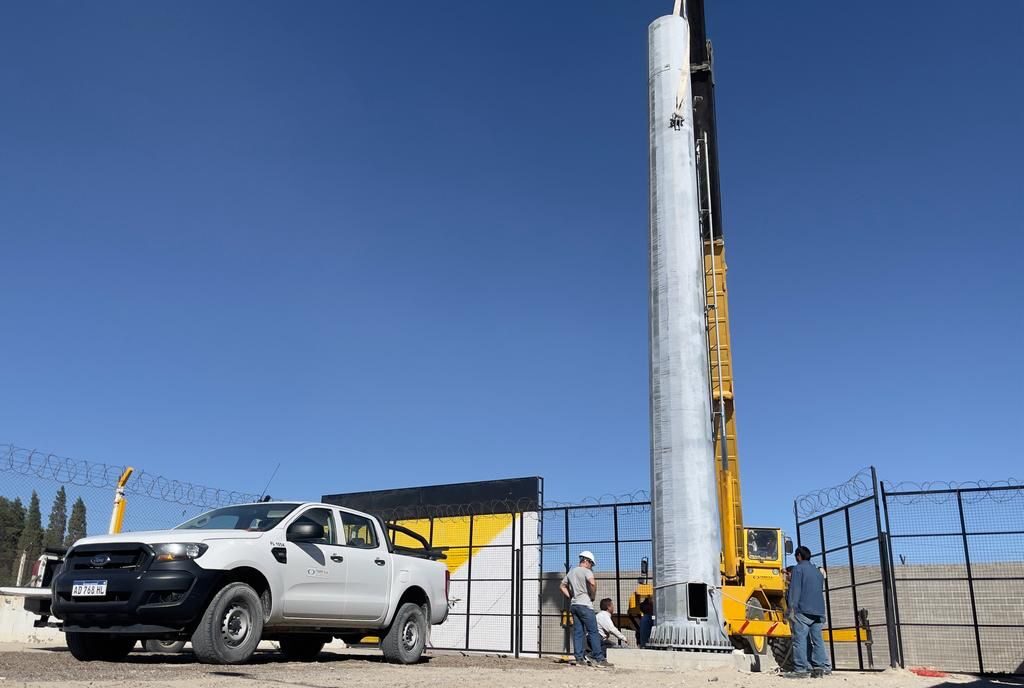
point(940, 565)
point(619, 536)
point(847, 544)
point(154, 502)
point(958, 562)
point(484, 553)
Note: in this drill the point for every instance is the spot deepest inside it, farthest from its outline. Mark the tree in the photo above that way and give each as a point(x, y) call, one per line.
point(58, 522)
point(76, 524)
point(31, 540)
point(12, 522)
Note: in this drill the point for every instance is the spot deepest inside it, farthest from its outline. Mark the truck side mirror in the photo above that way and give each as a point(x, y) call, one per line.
point(644, 568)
point(305, 531)
point(789, 545)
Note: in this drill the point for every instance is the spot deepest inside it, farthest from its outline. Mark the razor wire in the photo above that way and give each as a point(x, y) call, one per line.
point(50, 467)
point(860, 486)
point(637, 500)
point(941, 491)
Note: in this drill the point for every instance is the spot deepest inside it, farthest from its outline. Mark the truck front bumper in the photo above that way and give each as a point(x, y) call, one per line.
point(152, 600)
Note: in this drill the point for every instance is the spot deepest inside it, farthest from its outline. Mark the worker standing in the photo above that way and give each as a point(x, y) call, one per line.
point(806, 612)
point(646, 622)
point(580, 587)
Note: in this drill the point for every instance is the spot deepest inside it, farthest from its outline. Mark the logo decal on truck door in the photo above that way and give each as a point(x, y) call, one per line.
point(317, 573)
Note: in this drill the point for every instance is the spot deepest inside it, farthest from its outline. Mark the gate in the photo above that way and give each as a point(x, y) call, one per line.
point(842, 526)
point(619, 536)
point(958, 556)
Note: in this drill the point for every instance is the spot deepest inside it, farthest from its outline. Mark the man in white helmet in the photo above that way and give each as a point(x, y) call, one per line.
point(581, 588)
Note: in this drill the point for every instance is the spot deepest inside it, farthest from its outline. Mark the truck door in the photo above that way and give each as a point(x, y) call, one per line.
point(369, 570)
point(315, 570)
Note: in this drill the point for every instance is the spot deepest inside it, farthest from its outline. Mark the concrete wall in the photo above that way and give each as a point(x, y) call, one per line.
point(16, 625)
point(941, 603)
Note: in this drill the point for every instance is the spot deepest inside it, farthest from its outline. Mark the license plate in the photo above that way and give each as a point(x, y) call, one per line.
point(91, 588)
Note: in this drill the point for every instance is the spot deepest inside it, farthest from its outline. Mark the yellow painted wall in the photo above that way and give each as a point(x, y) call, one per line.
point(453, 532)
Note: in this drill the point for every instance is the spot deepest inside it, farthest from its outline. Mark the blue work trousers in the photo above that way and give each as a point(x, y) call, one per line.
point(584, 624)
point(807, 635)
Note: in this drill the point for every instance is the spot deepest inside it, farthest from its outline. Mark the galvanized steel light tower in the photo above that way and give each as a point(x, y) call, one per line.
point(685, 516)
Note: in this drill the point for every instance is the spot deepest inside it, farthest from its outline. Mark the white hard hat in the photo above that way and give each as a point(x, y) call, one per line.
point(587, 554)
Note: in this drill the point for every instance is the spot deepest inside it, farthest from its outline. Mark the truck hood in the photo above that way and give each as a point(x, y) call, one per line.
point(156, 537)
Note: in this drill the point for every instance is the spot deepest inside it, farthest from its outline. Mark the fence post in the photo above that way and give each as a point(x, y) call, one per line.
point(469, 580)
point(853, 586)
point(970, 579)
point(828, 593)
point(567, 615)
point(615, 528)
point(513, 606)
point(888, 582)
point(21, 568)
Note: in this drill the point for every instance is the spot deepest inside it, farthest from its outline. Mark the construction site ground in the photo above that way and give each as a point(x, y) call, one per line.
point(50, 667)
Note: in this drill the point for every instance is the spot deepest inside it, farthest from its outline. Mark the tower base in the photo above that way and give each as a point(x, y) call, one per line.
point(689, 635)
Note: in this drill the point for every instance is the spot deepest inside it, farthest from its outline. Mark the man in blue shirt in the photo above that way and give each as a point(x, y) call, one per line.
point(806, 611)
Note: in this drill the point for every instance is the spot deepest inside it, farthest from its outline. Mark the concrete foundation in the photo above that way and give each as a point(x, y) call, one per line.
point(674, 660)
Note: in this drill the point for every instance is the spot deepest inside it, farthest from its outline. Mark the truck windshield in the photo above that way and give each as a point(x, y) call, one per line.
point(763, 544)
point(261, 517)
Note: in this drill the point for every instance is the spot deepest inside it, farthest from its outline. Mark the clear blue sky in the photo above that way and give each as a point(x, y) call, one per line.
point(401, 243)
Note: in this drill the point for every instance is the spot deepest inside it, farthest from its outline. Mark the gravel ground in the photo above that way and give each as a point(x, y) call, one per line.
point(48, 668)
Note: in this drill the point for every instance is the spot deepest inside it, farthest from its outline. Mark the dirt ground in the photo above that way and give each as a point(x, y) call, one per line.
point(48, 668)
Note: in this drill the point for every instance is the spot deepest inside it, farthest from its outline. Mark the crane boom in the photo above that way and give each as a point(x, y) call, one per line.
point(730, 503)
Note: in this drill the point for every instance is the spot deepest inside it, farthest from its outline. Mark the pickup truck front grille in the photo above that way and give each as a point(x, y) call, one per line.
point(122, 557)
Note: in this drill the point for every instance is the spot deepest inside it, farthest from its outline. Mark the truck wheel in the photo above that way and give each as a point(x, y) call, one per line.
point(302, 648)
point(231, 626)
point(782, 650)
point(91, 647)
point(407, 636)
point(164, 647)
point(755, 645)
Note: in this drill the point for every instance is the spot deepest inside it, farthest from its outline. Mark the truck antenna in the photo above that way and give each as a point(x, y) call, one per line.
point(262, 494)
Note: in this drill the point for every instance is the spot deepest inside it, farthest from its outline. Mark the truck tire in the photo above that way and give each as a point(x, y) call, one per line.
point(302, 648)
point(406, 637)
point(755, 645)
point(782, 651)
point(91, 647)
point(231, 626)
point(164, 647)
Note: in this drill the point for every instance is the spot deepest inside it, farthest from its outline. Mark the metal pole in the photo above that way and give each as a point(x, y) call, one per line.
point(796, 520)
point(828, 595)
point(117, 515)
point(519, 622)
point(618, 591)
point(970, 580)
point(892, 577)
point(514, 589)
point(853, 587)
point(565, 603)
point(887, 584)
point(469, 579)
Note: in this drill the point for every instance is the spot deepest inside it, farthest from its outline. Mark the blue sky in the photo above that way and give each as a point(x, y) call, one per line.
point(389, 244)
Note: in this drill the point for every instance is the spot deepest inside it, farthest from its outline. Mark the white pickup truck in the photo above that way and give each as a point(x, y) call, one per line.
point(296, 573)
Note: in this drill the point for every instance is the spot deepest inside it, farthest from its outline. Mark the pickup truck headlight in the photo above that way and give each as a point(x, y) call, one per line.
point(180, 551)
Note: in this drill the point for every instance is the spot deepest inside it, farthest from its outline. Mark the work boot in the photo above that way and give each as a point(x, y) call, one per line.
point(796, 674)
point(604, 664)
